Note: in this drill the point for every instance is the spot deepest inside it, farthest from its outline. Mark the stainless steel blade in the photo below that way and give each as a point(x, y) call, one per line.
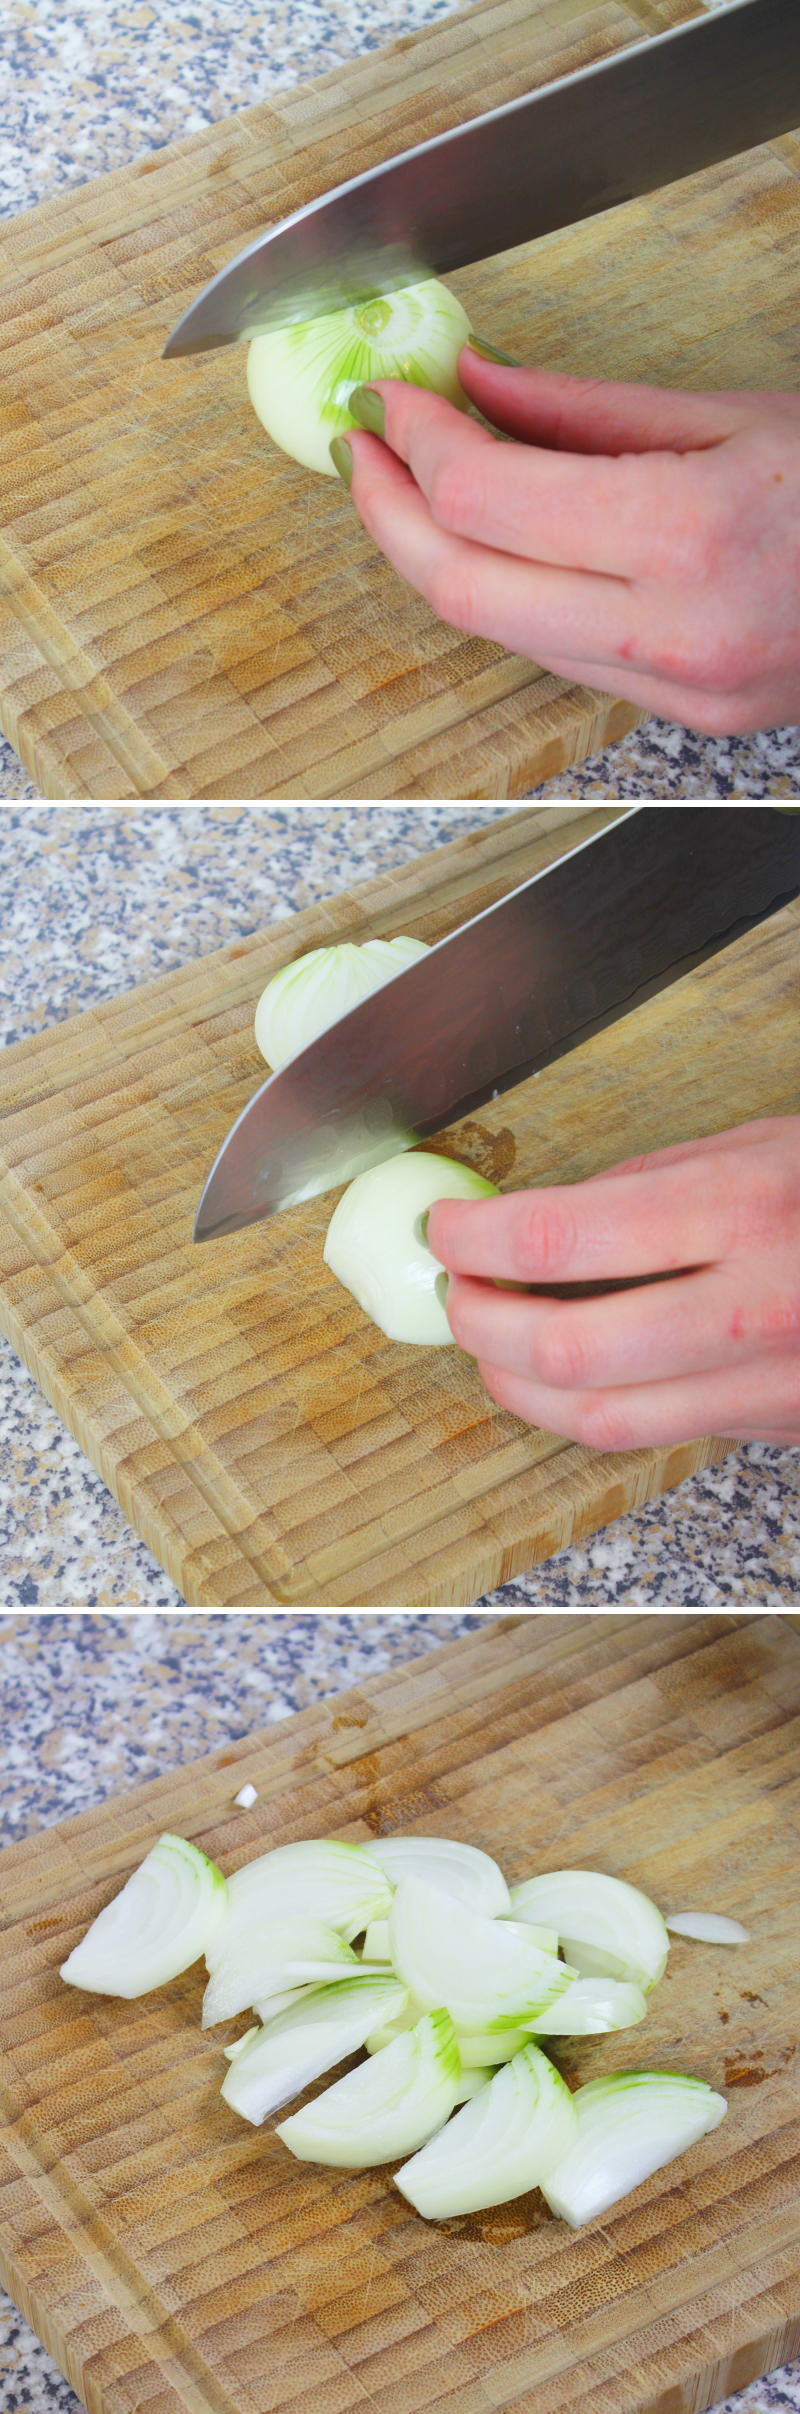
point(584, 942)
point(643, 118)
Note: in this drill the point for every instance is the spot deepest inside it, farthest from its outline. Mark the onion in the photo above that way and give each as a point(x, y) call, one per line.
point(270, 1955)
point(501, 2144)
point(375, 1248)
point(387, 2106)
point(166, 1916)
point(458, 1869)
point(711, 1927)
point(339, 1884)
point(306, 996)
point(606, 1927)
point(330, 2023)
point(300, 378)
point(446, 1954)
point(627, 2127)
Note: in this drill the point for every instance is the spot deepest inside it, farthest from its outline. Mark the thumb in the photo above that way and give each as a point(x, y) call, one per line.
point(588, 415)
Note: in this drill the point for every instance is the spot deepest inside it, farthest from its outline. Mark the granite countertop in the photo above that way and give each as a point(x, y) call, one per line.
point(153, 1692)
point(89, 86)
point(94, 900)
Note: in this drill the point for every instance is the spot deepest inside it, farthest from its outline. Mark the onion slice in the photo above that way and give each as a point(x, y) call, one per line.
point(374, 1245)
point(262, 1960)
point(499, 2145)
point(458, 1869)
point(606, 1927)
point(591, 2007)
point(168, 1913)
point(387, 2106)
point(330, 2023)
point(311, 993)
point(710, 1927)
point(627, 2128)
point(339, 1884)
point(446, 1954)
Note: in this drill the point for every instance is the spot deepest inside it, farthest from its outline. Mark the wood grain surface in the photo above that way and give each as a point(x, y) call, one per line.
point(184, 612)
point(172, 2258)
point(266, 1440)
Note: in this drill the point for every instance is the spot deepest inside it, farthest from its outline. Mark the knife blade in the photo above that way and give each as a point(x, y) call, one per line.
point(616, 919)
point(648, 115)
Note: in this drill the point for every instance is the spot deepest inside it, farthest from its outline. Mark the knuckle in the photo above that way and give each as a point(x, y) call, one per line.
point(562, 1357)
point(452, 494)
point(451, 594)
point(547, 1240)
point(778, 1320)
point(602, 1424)
point(765, 1208)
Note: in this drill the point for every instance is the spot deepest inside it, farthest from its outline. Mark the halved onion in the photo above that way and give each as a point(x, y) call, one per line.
point(168, 1913)
point(446, 1954)
point(606, 1927)
point(375, 1248)
point(626, 2128)
point(498, 2146)
point(387, 2106)
point(311, 993)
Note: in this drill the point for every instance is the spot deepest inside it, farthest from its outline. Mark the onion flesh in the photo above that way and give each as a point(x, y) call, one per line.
point(710, 1927)
point(387, 2106)
point(498, 2146)
point(300, 378)
point(627, 2128)
point(311, 2037)
point(339, 1884)
point(375, 1248)
point(606, 1928)
point(458, 1869)
point(168, 1913)
point(447, 1954)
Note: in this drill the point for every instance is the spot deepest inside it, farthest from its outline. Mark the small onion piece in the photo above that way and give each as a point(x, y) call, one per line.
point(459, 1869)
point(312, 992)
point(710, 1927)
point(627, 2128)
point(606, 1927)
point(167, 1914)
point(300, 378)
point(374, 1245)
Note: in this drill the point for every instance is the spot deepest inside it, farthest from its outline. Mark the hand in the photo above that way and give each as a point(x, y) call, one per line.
point(716, 1349)
point(643, 542)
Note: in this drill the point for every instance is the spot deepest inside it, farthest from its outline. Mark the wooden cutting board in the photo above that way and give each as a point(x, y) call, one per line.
point(268, 1443)
point(173, 2259)
point(185, 613)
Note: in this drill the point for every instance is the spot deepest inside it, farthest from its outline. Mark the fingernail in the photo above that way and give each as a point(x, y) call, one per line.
point(342, 459)
point(441, 1288)
point(421, 1228)
point(368, 410)
point(489, 352)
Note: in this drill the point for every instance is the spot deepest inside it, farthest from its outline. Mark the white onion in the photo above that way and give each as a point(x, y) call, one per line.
point(311, 993)
point(387, 2106)
point(606, 1927)
point(312, 2036)
point(486, 1976)
point(300, 378)
point(501, 2144)
point(711, 1927)
point(374, 1247)
point(627, 2128)
point(459, 1869)
point(166, 1916)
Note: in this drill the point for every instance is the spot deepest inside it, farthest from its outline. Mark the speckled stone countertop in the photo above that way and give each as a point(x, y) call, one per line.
point(95, 899)
point(86, 87)
point(153, 1692)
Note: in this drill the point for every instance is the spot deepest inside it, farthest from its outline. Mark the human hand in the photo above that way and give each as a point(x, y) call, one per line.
point(716, 1349)
point(641, 541)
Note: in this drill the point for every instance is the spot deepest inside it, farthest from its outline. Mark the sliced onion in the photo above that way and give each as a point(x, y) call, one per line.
point(447, 1954)
point(491, 2046)
point(376, 1941)
point(606, 1927)
point(459, 1869)
point(710, 1927)
point(387, 2106)
point(300, 378)
point(339, 1884)
point(627, 2127)
point(592, 2007)
point(168, 1913)
point(311, 993)
point(311, 2037)
point(498, 2146)
point(269, 1956)
point(374, 1245)
point(471, 2082)
point(231, 2051)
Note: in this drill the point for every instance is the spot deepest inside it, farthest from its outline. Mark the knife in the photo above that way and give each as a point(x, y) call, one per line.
point(621, 916)
point(624, 125)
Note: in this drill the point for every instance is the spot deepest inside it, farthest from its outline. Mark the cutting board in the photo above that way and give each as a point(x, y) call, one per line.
point(184, 612)
point(173, 2259)
point(268, 1443)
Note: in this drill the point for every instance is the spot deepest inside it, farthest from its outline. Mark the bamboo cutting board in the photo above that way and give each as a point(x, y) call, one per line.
point(173, 2259)
point(268, 1443)
point(185, 613)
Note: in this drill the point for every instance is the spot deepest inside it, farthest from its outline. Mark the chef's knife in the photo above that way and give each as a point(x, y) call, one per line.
point(624, 125)
point(585, 941)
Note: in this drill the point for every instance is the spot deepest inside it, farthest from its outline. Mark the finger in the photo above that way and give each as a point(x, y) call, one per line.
point(518, 604)
point(740, 1135)
point(596, 514)
point(679, 1216)
point(691, 706)
point(693, 1325)
point(656, 1415)
point(593, 415)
